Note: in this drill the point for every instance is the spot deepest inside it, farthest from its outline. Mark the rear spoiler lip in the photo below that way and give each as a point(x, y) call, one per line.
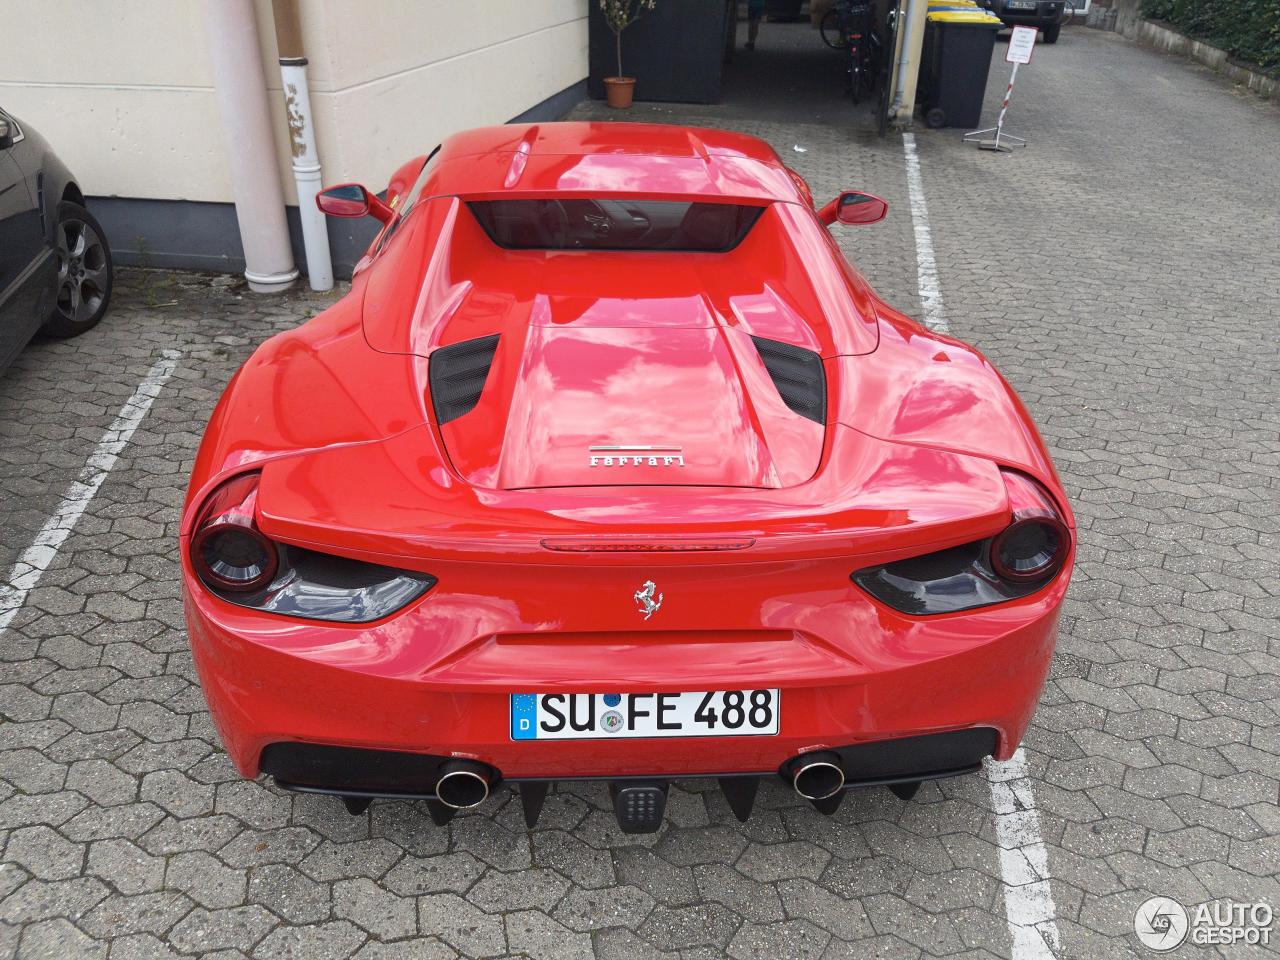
point(858, 547)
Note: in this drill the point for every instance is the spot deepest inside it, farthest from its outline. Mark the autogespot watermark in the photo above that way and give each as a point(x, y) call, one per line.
point(1163, 924)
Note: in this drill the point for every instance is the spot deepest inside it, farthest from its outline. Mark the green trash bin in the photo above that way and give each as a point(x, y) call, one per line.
point(954, 64)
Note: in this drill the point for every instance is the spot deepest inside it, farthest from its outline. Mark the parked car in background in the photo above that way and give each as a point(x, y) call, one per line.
point(1047, 16)
point(55, 265)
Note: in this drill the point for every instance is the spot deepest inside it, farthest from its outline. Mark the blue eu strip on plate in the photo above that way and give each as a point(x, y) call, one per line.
point(524, 708)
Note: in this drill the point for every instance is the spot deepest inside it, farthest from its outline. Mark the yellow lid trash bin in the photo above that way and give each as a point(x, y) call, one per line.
point(958, 40)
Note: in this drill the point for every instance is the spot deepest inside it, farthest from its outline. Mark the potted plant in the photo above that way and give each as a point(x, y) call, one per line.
point(620, 14)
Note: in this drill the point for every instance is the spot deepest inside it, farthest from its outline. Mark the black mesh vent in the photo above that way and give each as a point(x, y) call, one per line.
point(798, 375)
point(458, 374)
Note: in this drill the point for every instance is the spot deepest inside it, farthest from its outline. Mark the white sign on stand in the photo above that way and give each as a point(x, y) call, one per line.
point(1021, 45)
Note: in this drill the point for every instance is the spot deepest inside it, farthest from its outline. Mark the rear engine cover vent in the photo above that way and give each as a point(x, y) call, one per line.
point(457, 374)
point(798, 375)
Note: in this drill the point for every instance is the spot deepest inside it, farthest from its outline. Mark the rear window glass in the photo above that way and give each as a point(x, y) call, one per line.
point(615, 224)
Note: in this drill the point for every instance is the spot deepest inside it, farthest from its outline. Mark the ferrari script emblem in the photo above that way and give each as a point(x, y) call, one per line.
point(636, 455)
point(644, 597)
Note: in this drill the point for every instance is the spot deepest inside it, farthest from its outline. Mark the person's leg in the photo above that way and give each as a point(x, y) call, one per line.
point(755, 10)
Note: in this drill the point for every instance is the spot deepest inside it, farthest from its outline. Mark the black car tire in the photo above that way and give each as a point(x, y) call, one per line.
point(1050, 33)
point(85, 273)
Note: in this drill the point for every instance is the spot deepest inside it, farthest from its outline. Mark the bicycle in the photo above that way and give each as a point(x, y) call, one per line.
point(848, 26)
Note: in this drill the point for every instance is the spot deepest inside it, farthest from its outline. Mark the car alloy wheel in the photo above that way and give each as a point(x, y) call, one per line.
point(83, 271)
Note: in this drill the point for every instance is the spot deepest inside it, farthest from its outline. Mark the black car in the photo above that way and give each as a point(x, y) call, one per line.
point(1046, 15)
point(55, 265)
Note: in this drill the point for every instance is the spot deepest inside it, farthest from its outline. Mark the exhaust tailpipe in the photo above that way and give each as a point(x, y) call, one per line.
point(464, 784)
point(816, 776)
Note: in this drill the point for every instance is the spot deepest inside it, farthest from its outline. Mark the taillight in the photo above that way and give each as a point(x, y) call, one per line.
point(1019, 560)
point(1034, 546)
point(228, 551)
point(238, 563)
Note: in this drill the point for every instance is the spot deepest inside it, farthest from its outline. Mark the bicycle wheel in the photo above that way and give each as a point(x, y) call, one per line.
point(871, 61)
point(855, 75)
point(830, 29)
point(867, 71)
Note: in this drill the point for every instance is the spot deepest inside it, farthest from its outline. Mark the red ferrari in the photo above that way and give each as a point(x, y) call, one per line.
point(611, 467)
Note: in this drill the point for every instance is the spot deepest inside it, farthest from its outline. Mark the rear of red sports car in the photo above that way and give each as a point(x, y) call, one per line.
point(611, 467)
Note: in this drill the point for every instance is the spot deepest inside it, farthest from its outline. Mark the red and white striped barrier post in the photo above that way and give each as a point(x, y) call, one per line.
point(1021, 45)
point(1004, 107)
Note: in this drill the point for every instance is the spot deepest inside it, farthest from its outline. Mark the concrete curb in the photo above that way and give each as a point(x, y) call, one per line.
point(1122, 18)
point(1157, 35)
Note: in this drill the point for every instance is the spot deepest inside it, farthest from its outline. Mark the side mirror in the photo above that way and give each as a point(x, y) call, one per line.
point(352, 200)
point(6, 134)
point(854, 207)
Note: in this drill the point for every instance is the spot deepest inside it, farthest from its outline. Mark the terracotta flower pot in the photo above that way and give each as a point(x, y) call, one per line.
point(619, 91)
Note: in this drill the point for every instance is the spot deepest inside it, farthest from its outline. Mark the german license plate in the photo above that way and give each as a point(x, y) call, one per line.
point(1022, 4)
point(601, 716)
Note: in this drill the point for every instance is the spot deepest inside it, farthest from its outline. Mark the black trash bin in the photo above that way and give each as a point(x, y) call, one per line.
point(954, 65)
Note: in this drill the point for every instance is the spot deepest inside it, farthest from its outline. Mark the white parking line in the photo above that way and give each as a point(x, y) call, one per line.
point(35, 560)
point(934, 317)
point(1024, 861)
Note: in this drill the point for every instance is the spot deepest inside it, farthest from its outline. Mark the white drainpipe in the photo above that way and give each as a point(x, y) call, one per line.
point(241, 90)
point(302, 141)
point(908, 51)
point(306, 173)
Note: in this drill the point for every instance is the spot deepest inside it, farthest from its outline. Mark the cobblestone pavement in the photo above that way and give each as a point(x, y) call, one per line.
point(1122, 273)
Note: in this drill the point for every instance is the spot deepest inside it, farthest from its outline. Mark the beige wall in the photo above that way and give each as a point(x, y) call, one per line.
point(123, 88)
